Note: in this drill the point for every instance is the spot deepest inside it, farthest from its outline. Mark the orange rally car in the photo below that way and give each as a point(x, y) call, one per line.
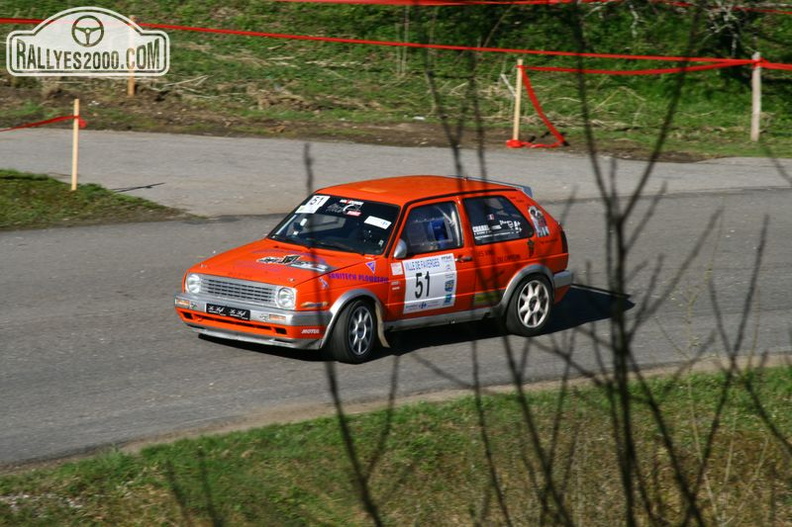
point(354, 262)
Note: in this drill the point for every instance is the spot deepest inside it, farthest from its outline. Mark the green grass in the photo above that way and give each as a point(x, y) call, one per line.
point(229, 84)
point(426, 465)
point(30, 201)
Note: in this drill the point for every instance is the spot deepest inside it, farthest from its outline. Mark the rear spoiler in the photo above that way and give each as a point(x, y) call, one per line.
point(523, 188)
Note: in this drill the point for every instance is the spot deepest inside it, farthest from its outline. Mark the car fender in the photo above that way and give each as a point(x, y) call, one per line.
point(346, 298)
point(517, 278)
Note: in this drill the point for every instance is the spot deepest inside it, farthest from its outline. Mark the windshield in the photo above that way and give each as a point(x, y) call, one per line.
point(333, 222)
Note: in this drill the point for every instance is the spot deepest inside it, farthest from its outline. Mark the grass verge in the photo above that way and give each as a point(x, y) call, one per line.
point(34, 201)
point(426, 464)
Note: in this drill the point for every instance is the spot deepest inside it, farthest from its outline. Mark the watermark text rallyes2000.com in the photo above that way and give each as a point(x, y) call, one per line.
point(90, 42)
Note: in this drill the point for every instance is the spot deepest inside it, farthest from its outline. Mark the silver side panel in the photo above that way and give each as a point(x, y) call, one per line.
point(306, 344)
point(439, 320)
point(563, 279)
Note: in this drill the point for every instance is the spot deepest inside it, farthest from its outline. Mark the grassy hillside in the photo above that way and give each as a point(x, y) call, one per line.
point(241, 85)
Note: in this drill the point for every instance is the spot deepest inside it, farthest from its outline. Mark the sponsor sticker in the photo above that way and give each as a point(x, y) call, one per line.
point(87, 42)
point(540, 223)
point(310, 266)
point(345, 207)
point(351, 208)
point(314, 204)
point(377, 222)
point(296, 260)
point(430, 283)
point(497, 229)
point(357, 277)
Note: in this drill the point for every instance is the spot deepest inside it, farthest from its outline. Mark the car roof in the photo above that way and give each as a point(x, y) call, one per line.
point(404, 189)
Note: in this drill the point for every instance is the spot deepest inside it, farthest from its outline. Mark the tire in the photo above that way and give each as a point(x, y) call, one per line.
point(354, 336)
point(530, 306)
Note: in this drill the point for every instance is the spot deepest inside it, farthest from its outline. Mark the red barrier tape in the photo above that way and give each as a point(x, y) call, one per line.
point(714, 63)
point(774, 66)
point(726, 63)
point(444, 47)
point(436, 3)
point(516, 143)
point(440, 3)
point(20, 21)
point(80, 120)
point(730, 8)
point(663, 71)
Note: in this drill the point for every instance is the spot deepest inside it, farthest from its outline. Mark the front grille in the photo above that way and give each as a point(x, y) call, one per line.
point(239, 290)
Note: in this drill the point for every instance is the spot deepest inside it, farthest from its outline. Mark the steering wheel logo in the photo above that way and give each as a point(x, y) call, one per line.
point(88, 31)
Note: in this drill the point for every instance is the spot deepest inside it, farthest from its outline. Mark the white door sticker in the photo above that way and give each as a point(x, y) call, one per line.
point(430, 283)
point(377, 222)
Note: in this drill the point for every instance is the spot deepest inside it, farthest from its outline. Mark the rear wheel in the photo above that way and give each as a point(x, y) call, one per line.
point(354, 336)
point(530, 306)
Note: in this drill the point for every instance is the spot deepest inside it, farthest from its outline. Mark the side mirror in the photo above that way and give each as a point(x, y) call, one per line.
point(401, 250)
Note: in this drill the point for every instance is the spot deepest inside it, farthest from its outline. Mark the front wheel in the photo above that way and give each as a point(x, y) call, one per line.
point(529, 307)
point(354, 336)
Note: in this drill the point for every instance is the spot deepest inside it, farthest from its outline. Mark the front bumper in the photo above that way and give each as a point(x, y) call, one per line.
point(267, 325)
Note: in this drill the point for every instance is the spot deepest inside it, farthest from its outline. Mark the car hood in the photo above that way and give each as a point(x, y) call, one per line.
point(277, 263)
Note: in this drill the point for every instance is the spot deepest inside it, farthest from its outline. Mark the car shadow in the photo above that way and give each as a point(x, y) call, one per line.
point(585, 304)
point(581, 305)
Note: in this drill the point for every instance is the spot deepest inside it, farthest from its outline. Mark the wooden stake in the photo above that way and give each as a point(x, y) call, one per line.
point(131, 78)
point(756, 92)
point(517, 101)
point(75, 143)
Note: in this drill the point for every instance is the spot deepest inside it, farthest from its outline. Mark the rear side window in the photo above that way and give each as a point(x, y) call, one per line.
point(496, 219)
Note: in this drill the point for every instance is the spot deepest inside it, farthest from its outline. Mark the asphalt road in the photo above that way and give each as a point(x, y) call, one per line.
point(216, 176)
point(92, 354)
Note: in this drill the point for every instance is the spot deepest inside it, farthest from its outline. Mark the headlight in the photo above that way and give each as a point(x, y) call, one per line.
point(286, 298)
point(192, 284)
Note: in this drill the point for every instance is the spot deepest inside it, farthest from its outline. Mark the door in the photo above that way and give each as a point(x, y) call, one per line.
point(503, 244)
point(437, 274)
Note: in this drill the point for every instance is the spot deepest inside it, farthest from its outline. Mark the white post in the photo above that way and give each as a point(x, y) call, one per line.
point(131, 78)
point(517, 101)
point(756, 91)
point(75, 143)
